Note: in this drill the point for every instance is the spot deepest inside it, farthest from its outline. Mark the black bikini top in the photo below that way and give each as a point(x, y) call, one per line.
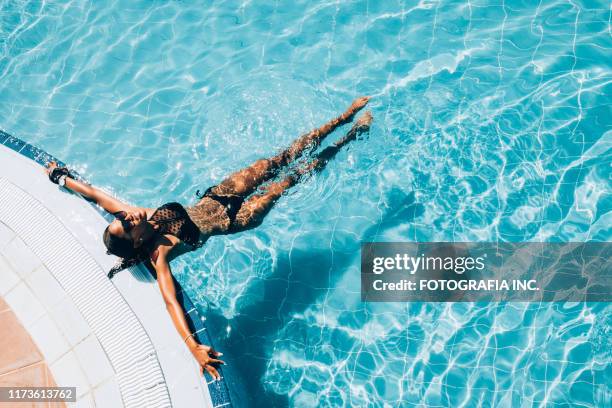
point(174, 220)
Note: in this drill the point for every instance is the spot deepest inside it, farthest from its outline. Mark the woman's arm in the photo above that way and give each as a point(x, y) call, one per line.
point(204, 355)
point(109, 203)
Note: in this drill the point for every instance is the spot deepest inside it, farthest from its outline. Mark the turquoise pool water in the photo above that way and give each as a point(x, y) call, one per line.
point(492, 122)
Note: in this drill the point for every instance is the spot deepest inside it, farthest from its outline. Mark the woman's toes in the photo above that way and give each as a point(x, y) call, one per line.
point(365, 120)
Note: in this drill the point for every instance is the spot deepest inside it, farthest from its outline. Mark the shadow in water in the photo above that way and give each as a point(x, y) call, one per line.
point(400, 208)
point(300, 278)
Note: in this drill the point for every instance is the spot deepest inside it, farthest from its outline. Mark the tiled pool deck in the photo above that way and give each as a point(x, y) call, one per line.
point(48, 328)
point(113, 340)
point(21, 362)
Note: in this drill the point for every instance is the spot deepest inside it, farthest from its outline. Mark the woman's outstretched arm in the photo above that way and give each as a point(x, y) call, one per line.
point(106, 201)
point(204, 355)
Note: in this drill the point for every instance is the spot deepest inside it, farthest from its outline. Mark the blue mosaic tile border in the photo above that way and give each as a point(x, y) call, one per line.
point(218, 390)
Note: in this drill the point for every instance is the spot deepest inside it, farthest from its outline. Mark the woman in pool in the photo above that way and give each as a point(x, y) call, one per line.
point(238, 203)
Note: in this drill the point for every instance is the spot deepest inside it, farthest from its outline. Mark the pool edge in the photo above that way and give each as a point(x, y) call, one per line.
point(218, 390)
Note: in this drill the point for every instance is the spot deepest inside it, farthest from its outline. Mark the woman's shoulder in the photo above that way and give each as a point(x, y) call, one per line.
point(163, 246)
point(166, 242)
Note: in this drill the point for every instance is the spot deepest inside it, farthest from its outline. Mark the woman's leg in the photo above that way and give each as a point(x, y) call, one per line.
point(244, 182)
point(253, 211)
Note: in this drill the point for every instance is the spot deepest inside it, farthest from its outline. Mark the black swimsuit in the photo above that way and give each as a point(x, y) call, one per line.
point(231, 203)
point(174, 220)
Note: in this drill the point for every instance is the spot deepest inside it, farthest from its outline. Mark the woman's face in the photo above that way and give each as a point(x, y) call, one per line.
point(138, 231)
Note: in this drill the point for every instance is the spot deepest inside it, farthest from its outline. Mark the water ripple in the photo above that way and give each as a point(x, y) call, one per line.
point(492, 122)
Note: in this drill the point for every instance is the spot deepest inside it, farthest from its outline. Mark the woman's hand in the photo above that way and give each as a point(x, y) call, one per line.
point(49, 167)
point(136, 216)
point(57, 174)
point(206, 356)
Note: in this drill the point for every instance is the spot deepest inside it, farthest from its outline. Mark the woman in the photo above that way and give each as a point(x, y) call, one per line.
point(238, 203)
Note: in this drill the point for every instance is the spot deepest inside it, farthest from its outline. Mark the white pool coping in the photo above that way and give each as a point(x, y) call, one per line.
point(114, 339)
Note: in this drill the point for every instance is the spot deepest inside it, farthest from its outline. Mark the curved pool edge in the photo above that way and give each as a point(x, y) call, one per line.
point(179, 372)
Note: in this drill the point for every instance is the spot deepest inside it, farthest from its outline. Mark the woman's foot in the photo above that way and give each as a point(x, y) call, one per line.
point(358, 104)
point(364, 121)
point(361, 125)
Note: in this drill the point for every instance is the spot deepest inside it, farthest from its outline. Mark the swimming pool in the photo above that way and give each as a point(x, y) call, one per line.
point(492, 122)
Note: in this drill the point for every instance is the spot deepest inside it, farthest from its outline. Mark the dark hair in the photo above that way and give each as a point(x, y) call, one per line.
point(122, 247)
